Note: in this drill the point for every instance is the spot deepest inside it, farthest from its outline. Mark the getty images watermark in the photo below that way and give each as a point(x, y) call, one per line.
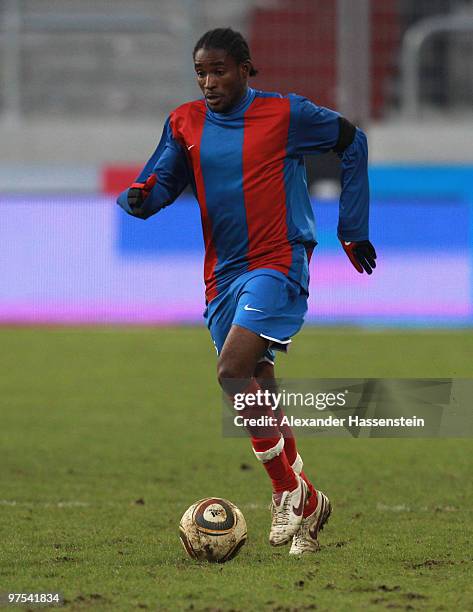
point(350, 407)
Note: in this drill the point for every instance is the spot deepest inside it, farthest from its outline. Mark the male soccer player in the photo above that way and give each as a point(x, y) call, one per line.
point(242, 151)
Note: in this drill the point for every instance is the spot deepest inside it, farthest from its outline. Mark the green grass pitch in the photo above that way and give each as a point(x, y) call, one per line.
point(107, 435)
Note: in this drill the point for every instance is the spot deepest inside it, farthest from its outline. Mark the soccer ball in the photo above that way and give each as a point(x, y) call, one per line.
point(213, 529)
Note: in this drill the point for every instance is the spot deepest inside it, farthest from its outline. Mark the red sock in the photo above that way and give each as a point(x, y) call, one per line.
point(278, 468)
point(266, 438)
point(289, 440)
point(290, 449)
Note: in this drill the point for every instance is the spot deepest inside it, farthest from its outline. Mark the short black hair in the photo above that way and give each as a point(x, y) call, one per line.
point(230, 41)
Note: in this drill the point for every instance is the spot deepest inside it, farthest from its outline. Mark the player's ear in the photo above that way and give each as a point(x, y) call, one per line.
point(245, 68)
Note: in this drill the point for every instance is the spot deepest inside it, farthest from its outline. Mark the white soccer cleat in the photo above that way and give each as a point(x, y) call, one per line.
point(287, 508)
point(305, 540)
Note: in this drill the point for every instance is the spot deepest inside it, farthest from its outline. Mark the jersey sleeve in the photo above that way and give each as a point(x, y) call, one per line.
point(169, 164)
point(317, 130)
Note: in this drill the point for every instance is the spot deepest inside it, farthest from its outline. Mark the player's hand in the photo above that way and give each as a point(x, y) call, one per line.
point(361, 254)
point(138, 192)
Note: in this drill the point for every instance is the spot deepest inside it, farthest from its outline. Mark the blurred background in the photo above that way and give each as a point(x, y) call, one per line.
point(87, 84)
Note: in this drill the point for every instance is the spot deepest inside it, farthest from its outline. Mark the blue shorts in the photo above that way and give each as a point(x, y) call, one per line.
point(264, 301)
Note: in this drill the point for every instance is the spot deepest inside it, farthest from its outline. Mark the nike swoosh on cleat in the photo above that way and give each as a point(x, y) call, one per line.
point(313, 532)
point(300, 508)
point(248, 307)
point(323, 518)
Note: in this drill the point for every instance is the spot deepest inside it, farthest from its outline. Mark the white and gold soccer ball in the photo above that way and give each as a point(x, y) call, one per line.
point(213, 529)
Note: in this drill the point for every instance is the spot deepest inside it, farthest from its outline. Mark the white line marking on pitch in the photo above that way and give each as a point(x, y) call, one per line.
point(63, 504)
point(404, 508)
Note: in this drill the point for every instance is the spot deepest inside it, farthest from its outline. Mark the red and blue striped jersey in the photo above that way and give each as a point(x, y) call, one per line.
point(246, 168)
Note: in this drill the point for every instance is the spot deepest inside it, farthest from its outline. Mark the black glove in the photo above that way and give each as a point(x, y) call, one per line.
point(361, 254)
point(138, 192)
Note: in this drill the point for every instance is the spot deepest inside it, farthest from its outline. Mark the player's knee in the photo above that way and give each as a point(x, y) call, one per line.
point(230, 371)
point(225, 371)
point(264, 369)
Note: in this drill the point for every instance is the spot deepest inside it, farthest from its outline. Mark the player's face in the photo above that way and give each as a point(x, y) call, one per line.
point(222, 80)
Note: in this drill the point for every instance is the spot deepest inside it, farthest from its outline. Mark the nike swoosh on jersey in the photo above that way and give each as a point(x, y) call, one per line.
point(189, 148)
point(248, 307)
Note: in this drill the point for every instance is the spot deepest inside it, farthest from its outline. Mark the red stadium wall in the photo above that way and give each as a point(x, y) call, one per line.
point(293, 44)
point(385, 43)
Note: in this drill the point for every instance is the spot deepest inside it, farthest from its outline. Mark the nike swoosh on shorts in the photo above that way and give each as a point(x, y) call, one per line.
point(248, 307)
